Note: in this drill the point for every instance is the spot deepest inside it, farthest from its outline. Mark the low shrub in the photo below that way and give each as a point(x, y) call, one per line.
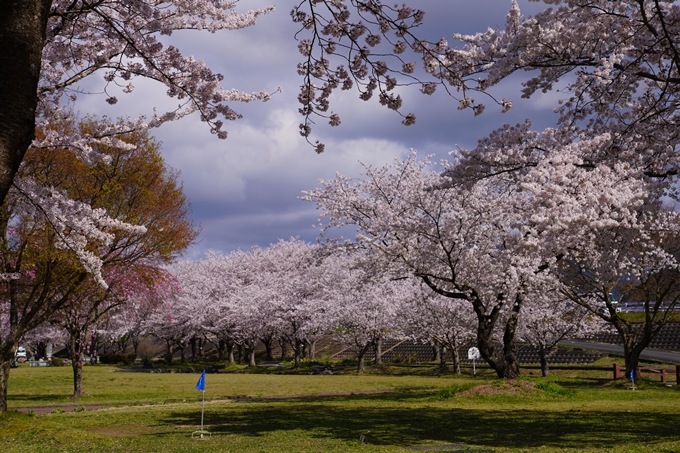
point(555, 389)
point(112, 359)
point(450, 391)
point(56, 361)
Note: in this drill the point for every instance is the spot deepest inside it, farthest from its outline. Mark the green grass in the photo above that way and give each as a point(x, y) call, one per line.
point(564, 412)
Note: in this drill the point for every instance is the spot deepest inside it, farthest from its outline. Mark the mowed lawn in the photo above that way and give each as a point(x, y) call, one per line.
point(415, 411)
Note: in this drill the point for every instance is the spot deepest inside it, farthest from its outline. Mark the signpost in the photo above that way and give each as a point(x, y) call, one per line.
point(474, 355)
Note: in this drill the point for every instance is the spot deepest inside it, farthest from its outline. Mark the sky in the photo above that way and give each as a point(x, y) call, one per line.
point(244, 191)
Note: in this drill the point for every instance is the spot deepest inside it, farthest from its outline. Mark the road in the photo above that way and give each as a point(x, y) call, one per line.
point(647, 354)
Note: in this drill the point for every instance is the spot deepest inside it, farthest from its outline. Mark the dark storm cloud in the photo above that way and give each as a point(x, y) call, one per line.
point(244, 190)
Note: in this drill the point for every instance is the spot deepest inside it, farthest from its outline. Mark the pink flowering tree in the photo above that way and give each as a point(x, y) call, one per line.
point(633, 261)
point(551, 318)
point(299, 280)
point(445, 323)
point(49, 46)
point(462, 242)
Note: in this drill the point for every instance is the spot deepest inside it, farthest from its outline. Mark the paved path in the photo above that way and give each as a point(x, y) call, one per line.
point(654, 354)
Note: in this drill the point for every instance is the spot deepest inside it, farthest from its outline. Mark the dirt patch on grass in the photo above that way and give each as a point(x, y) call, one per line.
point(512, 387)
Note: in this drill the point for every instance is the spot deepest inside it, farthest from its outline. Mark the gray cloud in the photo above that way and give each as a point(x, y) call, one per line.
point(244, 190)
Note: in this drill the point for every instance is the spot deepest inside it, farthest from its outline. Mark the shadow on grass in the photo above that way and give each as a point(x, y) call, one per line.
point(384, 422)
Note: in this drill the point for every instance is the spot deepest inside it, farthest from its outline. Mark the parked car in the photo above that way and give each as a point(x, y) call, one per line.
point(20, 354)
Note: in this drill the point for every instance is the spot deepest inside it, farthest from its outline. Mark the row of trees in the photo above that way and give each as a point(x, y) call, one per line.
point(579, 205)
point(293, 293)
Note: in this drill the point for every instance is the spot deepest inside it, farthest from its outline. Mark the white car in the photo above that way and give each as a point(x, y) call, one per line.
point(20, 354)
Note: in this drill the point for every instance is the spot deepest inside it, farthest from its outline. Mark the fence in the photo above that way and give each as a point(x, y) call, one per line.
point(663, 373)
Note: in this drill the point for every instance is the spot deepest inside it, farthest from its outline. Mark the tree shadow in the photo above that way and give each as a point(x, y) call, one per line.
point(390, 424)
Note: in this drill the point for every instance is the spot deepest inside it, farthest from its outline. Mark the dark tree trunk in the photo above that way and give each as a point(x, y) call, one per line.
point(76, 347)
point(221, 345)
point(135, 345)
point(455, 356)
point(284, 348)
point(41, 350)
point(442, 357)
point(182, 356)
point(543, 360)
point(5, 366)
point(168, 352)
point(361, 365)
point(297, 350)
point(194, 349)
point(268, 343)
point(436, 356)
point(22, 37)
point(377, 350)
point(509, 344)
point(505, 362)
point(239, 352)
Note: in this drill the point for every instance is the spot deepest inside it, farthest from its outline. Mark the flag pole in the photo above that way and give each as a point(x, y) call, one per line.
point(200, 385)
point(202, 412)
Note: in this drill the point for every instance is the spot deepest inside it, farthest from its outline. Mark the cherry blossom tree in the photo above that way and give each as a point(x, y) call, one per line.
point(615, 64)
point(49, 46)
point(441, 321)
point(464, 243)
point(299, 280)
point(551, 318)
point(635, 260)
point(365, 306)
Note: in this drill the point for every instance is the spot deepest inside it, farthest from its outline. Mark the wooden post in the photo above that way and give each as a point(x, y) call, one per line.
point(677, 374)
point(617, 371)
point(663, 375)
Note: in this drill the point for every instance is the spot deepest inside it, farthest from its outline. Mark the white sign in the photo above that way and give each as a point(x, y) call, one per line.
point(473, 354)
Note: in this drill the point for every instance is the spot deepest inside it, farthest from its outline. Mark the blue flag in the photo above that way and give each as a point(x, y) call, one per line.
point(200, 385)
point(632, 374)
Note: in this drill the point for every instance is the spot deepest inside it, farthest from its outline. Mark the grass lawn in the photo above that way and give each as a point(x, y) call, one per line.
point(576, 411)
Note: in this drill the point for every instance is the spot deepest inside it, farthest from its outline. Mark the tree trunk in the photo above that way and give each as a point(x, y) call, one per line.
point(312, 349)
point(4, 381)
point(284, 348)
point(135, 345)
point(543, 360)
point(240, 353)
point(505, 363)
point(221, 345)
point(194, 349)
point(22, 37)
point(267, 342)
point(168, 352)
point(377, 350)
point(297, 350)
point(251, 356)
point(75, 348)
point(455, 355)
point(442, 357)
point(435, 353)
point(361, 366)
point(230, 352)
point(182, 356)
point(41, 350)
point(509, 345)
